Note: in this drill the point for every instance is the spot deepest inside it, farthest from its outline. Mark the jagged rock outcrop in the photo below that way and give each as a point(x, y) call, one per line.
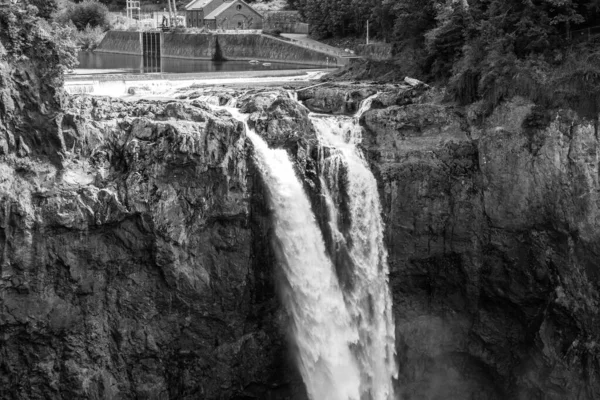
point(139, 268)
point(336, 99)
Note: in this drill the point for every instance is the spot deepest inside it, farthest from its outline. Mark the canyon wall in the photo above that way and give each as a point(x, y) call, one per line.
point(492, 232)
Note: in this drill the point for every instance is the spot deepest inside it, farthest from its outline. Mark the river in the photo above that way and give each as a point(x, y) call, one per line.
point(98, 63)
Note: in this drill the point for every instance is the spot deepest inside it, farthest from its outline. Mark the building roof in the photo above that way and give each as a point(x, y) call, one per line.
point(218, 10)
point(225, 6)
point(197, 4)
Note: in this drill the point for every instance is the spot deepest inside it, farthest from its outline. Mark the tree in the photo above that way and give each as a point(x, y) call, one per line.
point(88, 12)
point(29, 38)
point(45, 8)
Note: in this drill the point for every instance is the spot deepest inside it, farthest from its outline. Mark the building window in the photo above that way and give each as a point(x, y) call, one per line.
point(238, 7)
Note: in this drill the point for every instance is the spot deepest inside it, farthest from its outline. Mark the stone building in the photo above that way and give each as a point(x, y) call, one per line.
point(222, 14)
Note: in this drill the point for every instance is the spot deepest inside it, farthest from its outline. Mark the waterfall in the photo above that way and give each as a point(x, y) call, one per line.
point(343, 167)
point(322, 329)
point(343, 332)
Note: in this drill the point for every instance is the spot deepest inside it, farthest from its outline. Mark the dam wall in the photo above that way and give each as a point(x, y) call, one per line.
point(121, 42)
point(221, 46)
point(243, 47)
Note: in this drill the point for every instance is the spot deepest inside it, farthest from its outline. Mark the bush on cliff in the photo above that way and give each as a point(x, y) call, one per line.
point(27, 38)
point(484, 51)
point(89, 38)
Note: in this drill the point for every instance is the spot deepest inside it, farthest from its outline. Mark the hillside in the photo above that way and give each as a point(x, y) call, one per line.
point(483, 52)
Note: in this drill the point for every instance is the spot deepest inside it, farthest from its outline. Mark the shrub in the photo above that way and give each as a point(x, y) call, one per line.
point(118, 22)
point(45, 7)
point(88, 12)
point(27, 38)
point(89, 38)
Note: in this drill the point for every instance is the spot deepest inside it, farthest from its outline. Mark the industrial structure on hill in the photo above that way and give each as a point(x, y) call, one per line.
point(222, 14)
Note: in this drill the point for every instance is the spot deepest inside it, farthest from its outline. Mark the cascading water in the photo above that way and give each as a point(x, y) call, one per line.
point(321, 325)
point(344, 336)
point(366, 293)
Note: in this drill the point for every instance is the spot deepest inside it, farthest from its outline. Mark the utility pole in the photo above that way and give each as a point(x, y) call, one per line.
point(170, 13)
point(175, 12)
point(367, 31)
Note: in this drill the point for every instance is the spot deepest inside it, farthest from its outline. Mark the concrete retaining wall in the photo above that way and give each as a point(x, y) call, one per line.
point(121, 42)
point(188, 45)
point(232, 47)
point(243, 47)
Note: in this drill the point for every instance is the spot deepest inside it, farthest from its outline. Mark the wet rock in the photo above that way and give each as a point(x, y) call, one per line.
point(135, 257)
point(283, 123)
point(255, 102)
point(335, 100)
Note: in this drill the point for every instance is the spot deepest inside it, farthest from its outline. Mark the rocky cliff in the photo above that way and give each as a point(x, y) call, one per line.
point(492, 232)
point(135, 255)
point(136, 258)
point(139, 266)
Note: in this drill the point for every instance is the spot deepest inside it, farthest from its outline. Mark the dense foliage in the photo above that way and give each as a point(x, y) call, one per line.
point(26, 37)
point(45, 7)
point(486, 50)
point(86, 13)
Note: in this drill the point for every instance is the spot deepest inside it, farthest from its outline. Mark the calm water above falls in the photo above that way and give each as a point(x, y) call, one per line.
point(135, 64)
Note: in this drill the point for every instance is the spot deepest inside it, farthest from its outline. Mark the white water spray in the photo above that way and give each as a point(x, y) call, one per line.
point(322, 329)
point(344, 337)
point(366, 294)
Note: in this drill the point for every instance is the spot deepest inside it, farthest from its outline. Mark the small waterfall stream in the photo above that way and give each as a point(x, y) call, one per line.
point(360, 232)
point(343, 332)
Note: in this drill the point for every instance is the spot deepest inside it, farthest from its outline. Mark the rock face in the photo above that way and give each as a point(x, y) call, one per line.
point(139, 267)
point(492, 234)
point(335, 100)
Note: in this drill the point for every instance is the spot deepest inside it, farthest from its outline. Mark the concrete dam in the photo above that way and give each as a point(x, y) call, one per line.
point(214, 46)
